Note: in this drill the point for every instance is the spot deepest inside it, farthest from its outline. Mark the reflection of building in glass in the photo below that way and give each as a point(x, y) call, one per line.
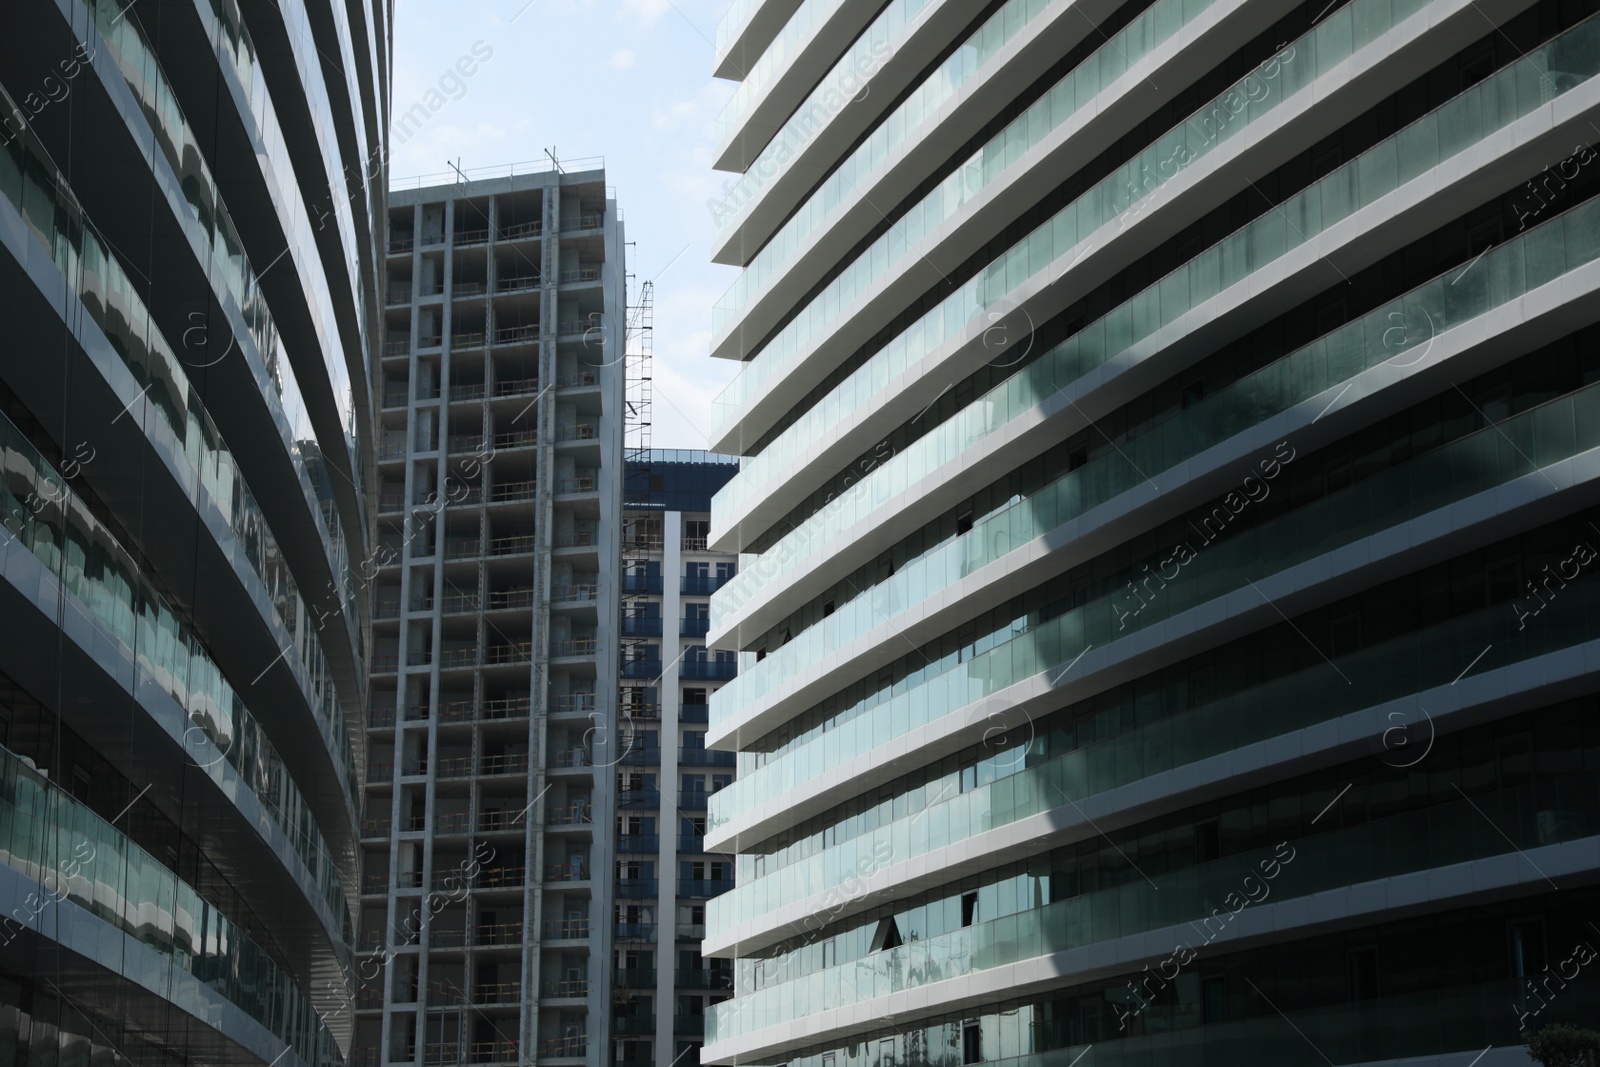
point(185, 393)
point(1167, 428)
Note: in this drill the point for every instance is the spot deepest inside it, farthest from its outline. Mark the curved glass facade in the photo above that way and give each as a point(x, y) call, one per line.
point(1258, 582)
point(187, 371)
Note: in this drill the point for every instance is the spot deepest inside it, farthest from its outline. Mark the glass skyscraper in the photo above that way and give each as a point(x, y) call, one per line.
point(191, 205)
point(1168, 602)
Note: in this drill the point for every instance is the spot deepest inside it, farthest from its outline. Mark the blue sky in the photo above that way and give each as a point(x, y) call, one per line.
point(629, 80)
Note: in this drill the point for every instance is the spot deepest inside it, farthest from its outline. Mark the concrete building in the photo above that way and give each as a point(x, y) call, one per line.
point(192, 200)
point(1167, 600)
point(486, 840)
point(662, 986)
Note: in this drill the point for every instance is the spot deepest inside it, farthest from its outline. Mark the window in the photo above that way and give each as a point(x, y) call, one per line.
point(1194, 392)
point(696, 611)
point(964, 524)
point(1525, 947)
point(696, 532)
point(694, 696)
point(971, 1042)
point(1361, 969)
point(1503, 581)
point(887, 935)
point(1344, 634)
point(1207, 841)
point(969, 777)
point(827, 609)
point(726, 571)
point(694, 740)
point(969, 908)
point(697, 569)
point(1213, 999)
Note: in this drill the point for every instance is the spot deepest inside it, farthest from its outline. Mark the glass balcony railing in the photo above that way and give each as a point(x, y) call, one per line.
point(172, 412)
point(1029, 784)
point(1345, 31)
point(1543, 435)
point(1054, 246)
point(1508, 821)
point(45, 517)
point(79, 857)
point(1540, 255)
point(774, 60)
point(1110, 62)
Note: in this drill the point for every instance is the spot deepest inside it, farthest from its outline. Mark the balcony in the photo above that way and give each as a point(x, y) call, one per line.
point(575, 814)
point(379, 772)
point(705, 757)
point(497, 708)
point(574, 1047)
point(570, 988)
point(704, 887)
point(566, 930)
point(574, 594)
point(460, 290)
point(591, 222)
point(401, 243)
point(702, 980)
point(582, 431)
point(380, 718)
point(708, 670)
point(693, 1026)
point(501, 1051)
point(491, 934)
point(516, 283)
point(397, 348)
point(703, 584)
point(694, 544)
point(646, 584)
point(463, 391)
point(394, 296)
point(576, 539)
point(694, 627)
point(638, 888)
point(461, 547)
point(520, 230)
point(641, 627)
point(569, 703)
point(645, 932)
point(513, 545)
point(641, 668)
point(509, 653)
point(575, 381)
point(497, 992)
point(501, 878)
point(504, 763)
point(692, 799)
point(571, 871)
point(505, 492)
point(636, 755)
point(694, 713)
point(375, 826)
point(639, 843)
point(583, 646)
point(472, 236)
point(634, 1025)
point(568, 758)
point(516, 387)
point(514, 335)
point(580, 274)
point(566, 486)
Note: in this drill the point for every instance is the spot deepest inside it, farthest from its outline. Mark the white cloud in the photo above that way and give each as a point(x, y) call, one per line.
point(622, 58)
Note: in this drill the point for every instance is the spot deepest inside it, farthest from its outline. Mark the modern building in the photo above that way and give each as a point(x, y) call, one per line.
point(191, 205)
point(662, 987)
point(486, 841)
point(1168, 590)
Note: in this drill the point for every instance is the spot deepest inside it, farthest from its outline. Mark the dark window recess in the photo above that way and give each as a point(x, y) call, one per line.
point(1344, 634)
point(1207, 841)
point(887, 935)
point(761, 654)
point(1361, 970)
point(964, 524)
point(1213, 1000)
point(1194, 392)
point(1503, 581)
point(1525, 948)
point(969, 777)
point(827, 609)
point(969, 908)
point(971, 1042)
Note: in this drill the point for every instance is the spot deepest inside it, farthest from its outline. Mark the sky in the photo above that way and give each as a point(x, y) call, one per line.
point(628, 80)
